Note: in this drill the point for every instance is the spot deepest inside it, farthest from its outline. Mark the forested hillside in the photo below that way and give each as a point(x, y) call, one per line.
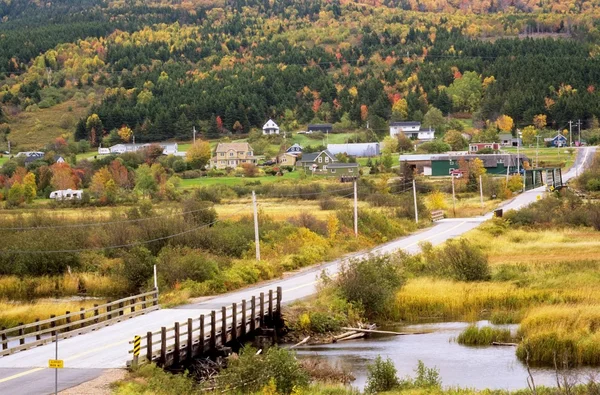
point(160, 67)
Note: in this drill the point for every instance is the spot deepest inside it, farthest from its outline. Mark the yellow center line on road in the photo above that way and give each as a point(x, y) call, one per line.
point(16, 376)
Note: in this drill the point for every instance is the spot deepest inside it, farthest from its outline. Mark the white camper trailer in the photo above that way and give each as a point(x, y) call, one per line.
point(67, 194)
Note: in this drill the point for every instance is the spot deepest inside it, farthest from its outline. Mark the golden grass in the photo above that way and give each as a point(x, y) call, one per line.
point(13, 313)
point(464, 208)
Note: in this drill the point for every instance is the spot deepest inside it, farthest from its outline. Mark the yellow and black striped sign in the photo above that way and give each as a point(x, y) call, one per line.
point(137, 345)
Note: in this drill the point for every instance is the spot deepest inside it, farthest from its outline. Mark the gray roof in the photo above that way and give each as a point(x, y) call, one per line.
point(342, 165)
point(489, 160)
point(311, 157)
point(409, 123)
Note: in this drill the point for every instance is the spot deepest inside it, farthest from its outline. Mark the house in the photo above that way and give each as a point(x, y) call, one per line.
point(287, 159)
point(320, 127)
point(358, 149)
point(325, 163)
point(270, 127)
point(30, 153)
point(168, 148)
point(412, 130)
point(507, 140)
point(444, 164)
point(233, 155)
point(67, 194)
point(59, 159)
point(295, 149)
point(557, 141)
point(31, 157)
point(475, 147)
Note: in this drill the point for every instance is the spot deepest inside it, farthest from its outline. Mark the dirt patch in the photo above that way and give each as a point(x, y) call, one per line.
point(100, 385)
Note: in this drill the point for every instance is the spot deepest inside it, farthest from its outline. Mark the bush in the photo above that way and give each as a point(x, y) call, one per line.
point(427, 378)
point(460, 260)
point(356, 282)
point(179, 166)
point(381, 376)
point(199, 212)
point(177, 264)
point(310, 222)
point(137, 268)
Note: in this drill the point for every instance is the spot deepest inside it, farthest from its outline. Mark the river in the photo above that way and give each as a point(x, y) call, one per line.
point(463, 366)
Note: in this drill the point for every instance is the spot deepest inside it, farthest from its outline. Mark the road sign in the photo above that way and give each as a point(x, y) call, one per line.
point(137, 340)
point(56, 364)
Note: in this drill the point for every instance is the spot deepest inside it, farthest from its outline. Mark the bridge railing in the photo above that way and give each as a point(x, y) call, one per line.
point(38, 333)
point(197, 335)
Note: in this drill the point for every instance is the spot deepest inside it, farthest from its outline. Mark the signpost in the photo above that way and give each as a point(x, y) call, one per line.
point(56, 364)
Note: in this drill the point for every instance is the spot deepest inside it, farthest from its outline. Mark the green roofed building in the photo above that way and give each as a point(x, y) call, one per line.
point(443, 164)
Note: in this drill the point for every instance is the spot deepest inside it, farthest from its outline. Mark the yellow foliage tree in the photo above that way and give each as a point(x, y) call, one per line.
point(198, 155)
point(505, 123)
point(529, 134)
point(400, 109)
point(540, 121)
point(125, 133)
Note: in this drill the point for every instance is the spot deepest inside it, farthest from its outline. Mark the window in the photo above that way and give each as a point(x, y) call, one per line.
point(451, 162)
point(326, 159)
point(249, 153)
point(350, 170)
point(333, 170)
point(500, 161)
point(324, 167)
point(221, 153)
point(231, 154)
point(320, 160)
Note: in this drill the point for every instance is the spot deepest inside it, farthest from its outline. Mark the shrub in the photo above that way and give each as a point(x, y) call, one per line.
point(177, 264)
point(460, 260)
point(329, 203)
point(198, 212)
point(137, 268)
point(381, 376)
point(427, 378)
point(485, 336)
point(357, 278)
point(179, 166)
point(310, 222)
point(325, 322)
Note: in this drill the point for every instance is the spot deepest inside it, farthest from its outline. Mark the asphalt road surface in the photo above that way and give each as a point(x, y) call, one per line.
point(87, 355)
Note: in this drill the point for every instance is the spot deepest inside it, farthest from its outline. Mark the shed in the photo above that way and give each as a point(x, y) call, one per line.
point(355, 149)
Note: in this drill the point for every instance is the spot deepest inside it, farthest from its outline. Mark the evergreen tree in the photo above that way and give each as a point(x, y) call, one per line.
point(213, 129)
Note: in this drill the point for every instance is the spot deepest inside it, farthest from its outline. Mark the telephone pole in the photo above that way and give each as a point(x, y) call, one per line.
point(579, 131)
point(481, 193)
point(355, 211)
point(256, 238)
point(453, 197)
point(194, 131)
point(570, 134)
point(537, 150)
point(415, 198)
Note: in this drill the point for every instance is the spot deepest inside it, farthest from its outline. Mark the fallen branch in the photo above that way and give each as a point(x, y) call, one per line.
point(343, 335)
point(355, 336)
point(304, 341)
point(384, 332)
point(504, 344)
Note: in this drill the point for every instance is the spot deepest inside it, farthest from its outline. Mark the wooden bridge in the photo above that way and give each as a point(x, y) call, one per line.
point(208, 335)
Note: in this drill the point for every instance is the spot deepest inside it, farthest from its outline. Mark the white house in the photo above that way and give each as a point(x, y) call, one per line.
point(412, 130)
point(67, 194)
point(355, 149)
point(29, 154)
point(270, 127)
point(168, 148)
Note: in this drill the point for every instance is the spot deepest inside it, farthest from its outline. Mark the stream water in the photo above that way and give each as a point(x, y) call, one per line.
point(463, 366)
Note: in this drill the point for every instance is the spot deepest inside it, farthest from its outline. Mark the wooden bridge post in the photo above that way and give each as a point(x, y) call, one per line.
point(82, 316)
point(68, 319)
point(213, 330)
point(155, 297)
point(21, 333)
point(223, 326)
point(176, 356)
point(190, 339)
point(132, 304)
point(120, 308)
point(262, 309)
point(53, 324)
point(108, 310)
point(95, 313)
point(244, 319)
point(163, 346)
point(253, 311)
point(144, 304)
point(271, 305)
point(4, 341)
point(37, 329)
point(279, 299)
point(202, 337)
point(234, 321)
point(149, 346)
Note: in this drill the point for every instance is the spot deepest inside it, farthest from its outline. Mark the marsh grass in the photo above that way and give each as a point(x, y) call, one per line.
point(484, 336)
point(13, 313)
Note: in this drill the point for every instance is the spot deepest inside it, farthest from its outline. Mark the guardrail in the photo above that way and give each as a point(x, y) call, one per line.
point(199, 335)
point(74, 323)
point(436, 215)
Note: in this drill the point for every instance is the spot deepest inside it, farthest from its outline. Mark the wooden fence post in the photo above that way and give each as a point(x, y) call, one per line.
point(213, 330)
point(155, 297)
point(234, 321)
point(253, 312)
point(37, 329)
point(144, 304)
point(53, 324)
point(4, 341)
point(279, 299)
point(68, 319)
point(176, 356)
point(190, 339)
point(21, 333)
point(262, 309)
point(108, 310)
point(202, 338)
point(271, 305)
point(82, 317)
point(132, 304)
point(95, 313)
point(223, 326)
point(163, 346)
point(149, 346)
point(244, 317)
point(120, 308)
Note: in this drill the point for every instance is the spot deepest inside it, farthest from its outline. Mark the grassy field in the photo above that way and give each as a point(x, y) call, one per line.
point(548, 157)
point(231, 181)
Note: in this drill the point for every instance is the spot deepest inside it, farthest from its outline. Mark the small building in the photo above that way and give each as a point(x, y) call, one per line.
point(557, 141)
point(325, 163)
point(29, 154)
point(445, 164)
point(295, 149)
point(412, 130)
point(320, 127)
point(507, 140)
point(339, 169)
point(233, 155)
point(59, 159)
point(168, 148)
point(476, 147)
point(287, 159)
point(270, 127)
point(32, 157)
point(355, 149)
point(67, 194)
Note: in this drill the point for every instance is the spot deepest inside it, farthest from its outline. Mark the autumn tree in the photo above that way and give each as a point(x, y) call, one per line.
point(529, 133)
point(144, 180)
point(505, 123)
point(63, 177)
point(400, 110)
point(540, 121)
point(29, 187)
point(93, 126)
point(364, 112)
point(389, 145)
point(125, 133)
point(466, 92)
point(250, 170)
point(198, 155)
point(434, 119)
point(16, 195)
point(120, 174)
point(404, 143)
point(455, 139)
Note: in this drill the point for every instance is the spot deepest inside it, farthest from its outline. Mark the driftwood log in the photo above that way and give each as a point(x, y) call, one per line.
point(504, 344)
point(304, 341)
point(384, 332)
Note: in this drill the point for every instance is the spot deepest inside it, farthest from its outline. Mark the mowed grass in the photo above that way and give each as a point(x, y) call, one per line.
point(548, 156)
point(231, 181)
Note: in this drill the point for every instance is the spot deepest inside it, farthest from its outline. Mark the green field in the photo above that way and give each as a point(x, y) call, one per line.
point(548, 157)
point(230, 181)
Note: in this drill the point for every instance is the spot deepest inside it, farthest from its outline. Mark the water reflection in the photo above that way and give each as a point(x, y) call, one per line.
point(472, 367)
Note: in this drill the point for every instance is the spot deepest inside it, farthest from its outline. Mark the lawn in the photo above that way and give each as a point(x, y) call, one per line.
point(548, 157)
point(333, 138)
point(230, 181)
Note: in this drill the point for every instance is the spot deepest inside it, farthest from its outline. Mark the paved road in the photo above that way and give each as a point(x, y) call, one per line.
point(87, 355)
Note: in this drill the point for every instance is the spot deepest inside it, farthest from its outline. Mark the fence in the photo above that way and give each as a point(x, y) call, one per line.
point(200, 335)
point(74, 323)
point(436, 215)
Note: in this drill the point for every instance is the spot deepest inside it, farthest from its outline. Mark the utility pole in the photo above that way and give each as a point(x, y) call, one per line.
point(579, 131)
point(481, 193)
point(194, 131)
point(355, 210)
point(570, 134)
point(537, 151)
point(256, 238)
point(415, 199)
point(518, 152)
point(453, 198)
